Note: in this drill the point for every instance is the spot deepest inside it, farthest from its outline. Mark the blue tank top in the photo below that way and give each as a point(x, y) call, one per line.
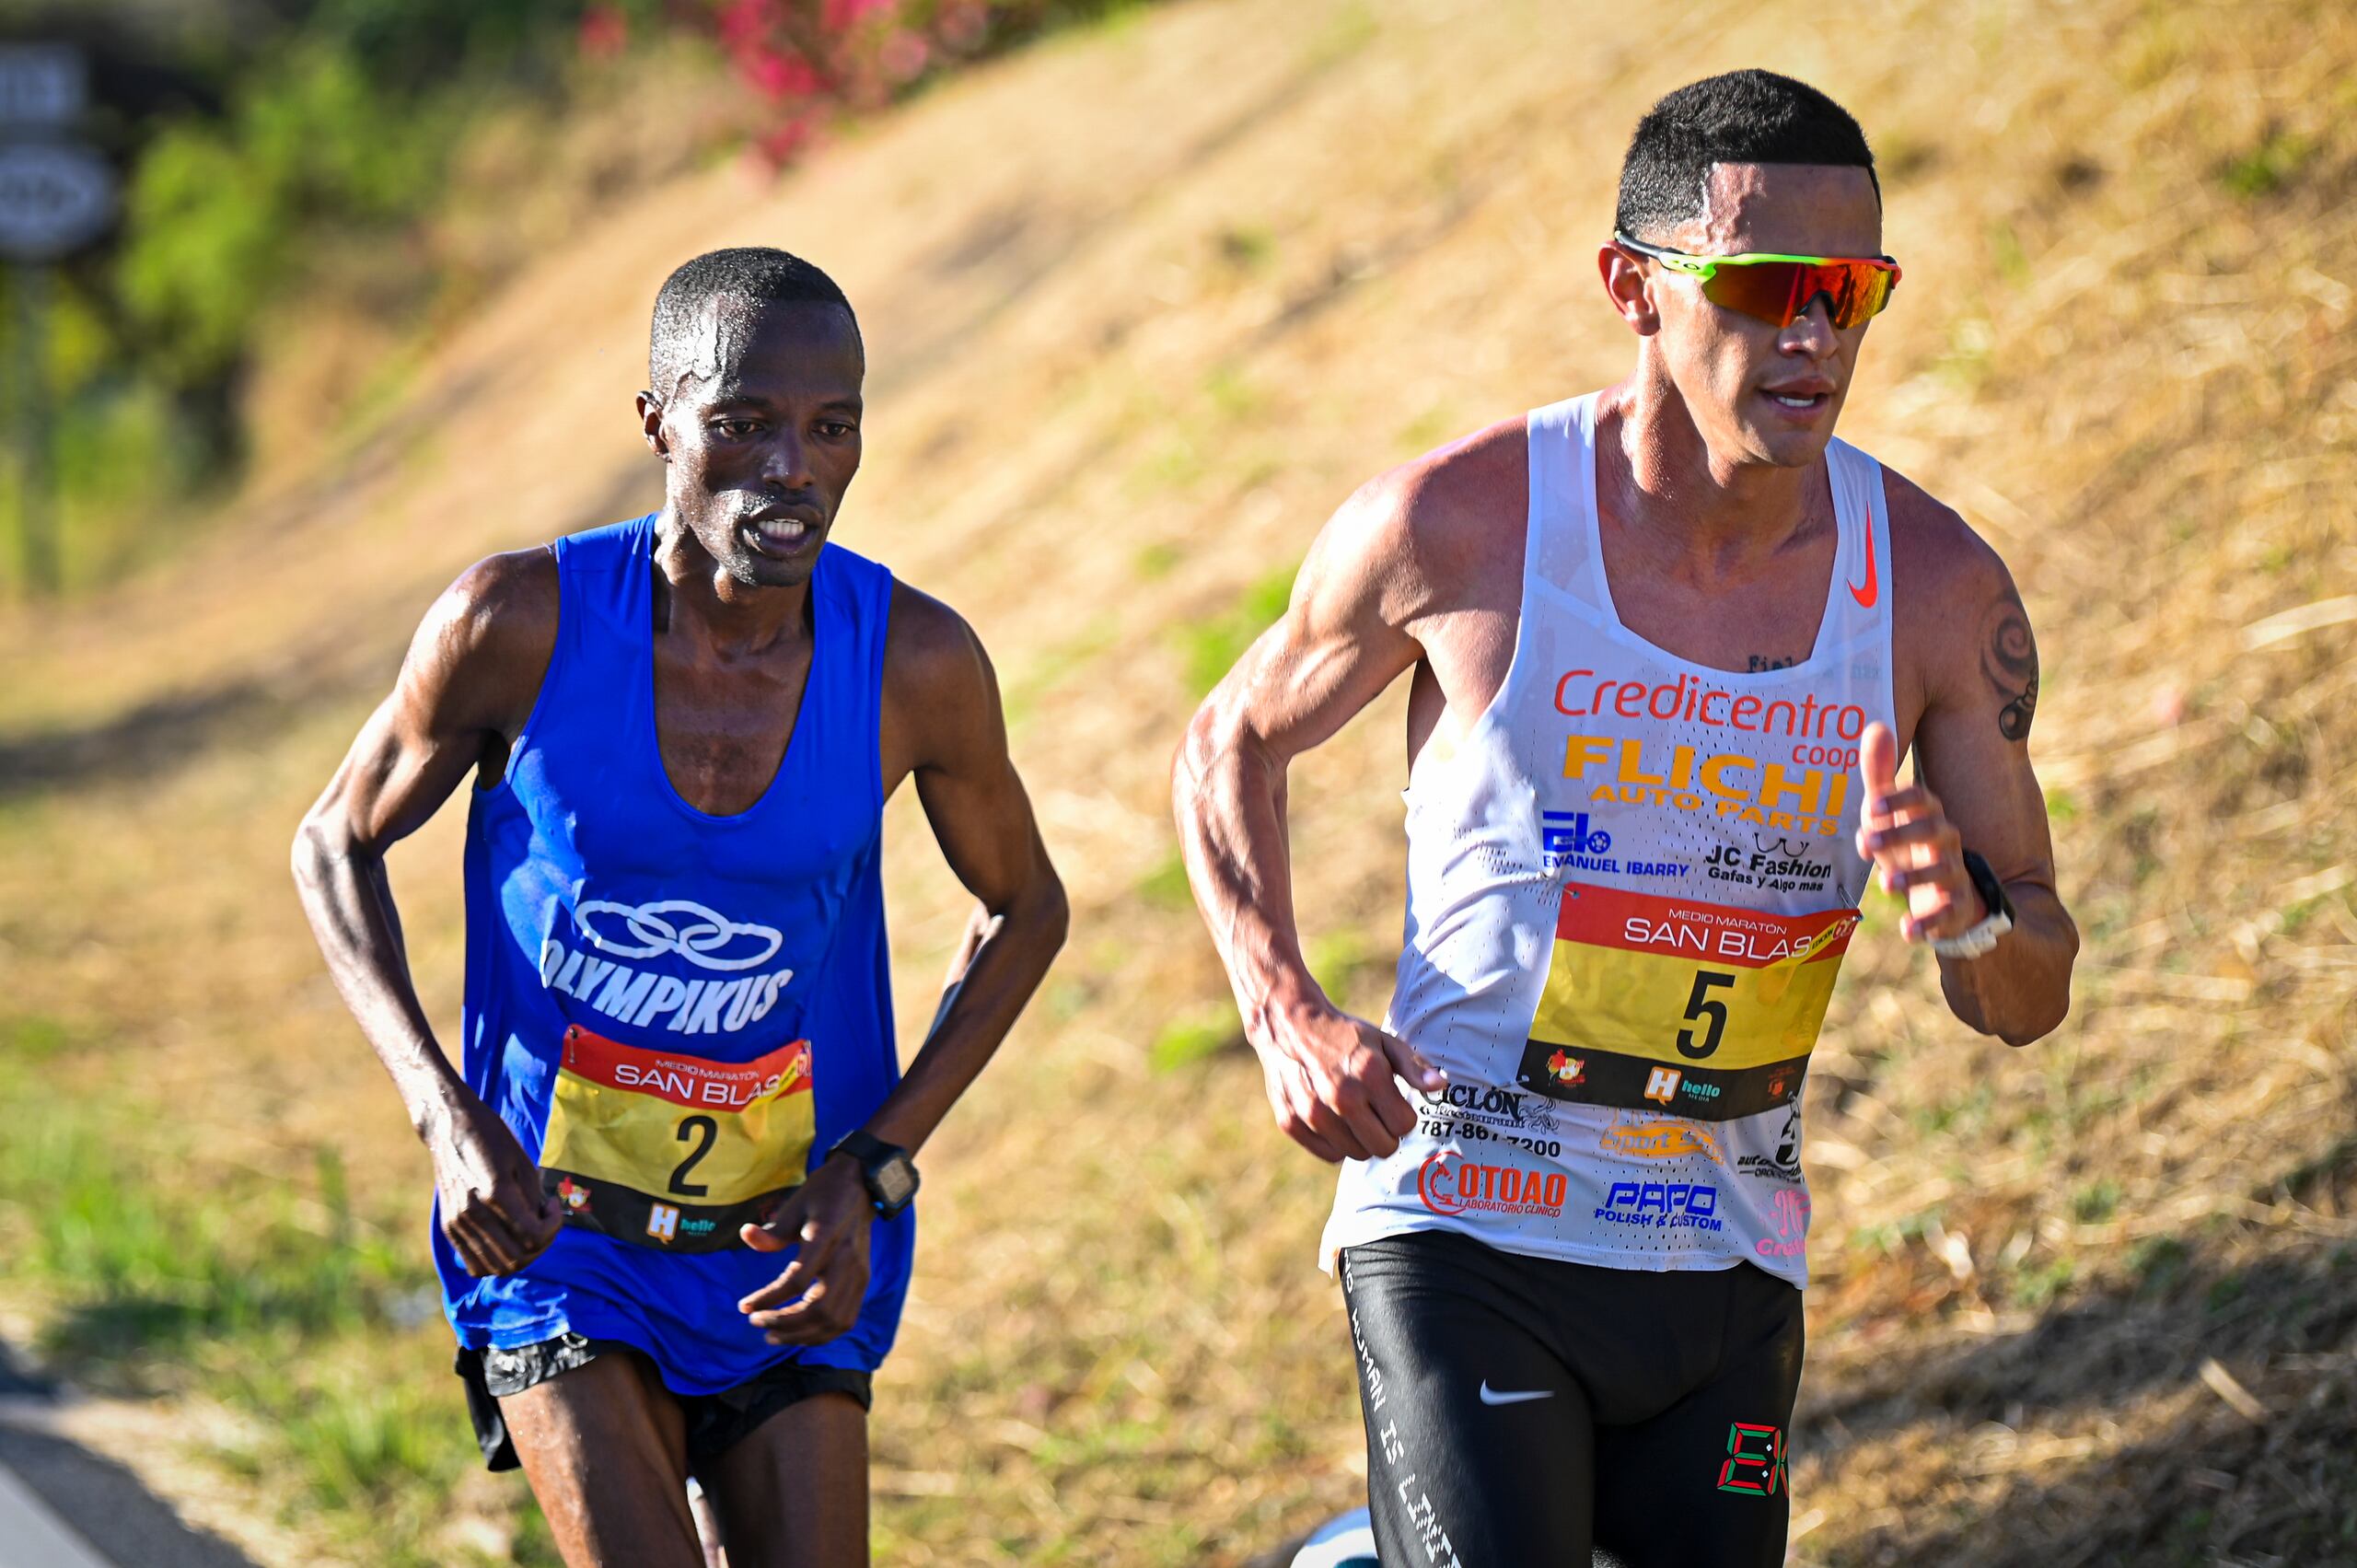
point(676, 1012)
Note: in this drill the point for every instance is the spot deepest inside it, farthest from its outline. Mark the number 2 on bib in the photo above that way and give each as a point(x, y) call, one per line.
point(673, 1151)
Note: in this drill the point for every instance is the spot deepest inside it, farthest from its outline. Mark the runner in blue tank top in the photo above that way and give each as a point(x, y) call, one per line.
point(673, 1168)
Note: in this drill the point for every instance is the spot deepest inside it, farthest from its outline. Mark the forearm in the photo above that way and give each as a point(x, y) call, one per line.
point(2020, 989)
point(1230, 798)
point(1006, 954)
point(348, 900)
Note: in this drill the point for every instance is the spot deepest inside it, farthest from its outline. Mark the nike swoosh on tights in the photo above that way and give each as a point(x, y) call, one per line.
point(1491, 1397)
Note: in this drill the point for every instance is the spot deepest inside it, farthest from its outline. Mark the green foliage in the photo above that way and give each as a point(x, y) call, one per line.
point(1194, 1038)
point(1165, 886)
point(216, 215)
point(1210, 647)
point(2276, 162)
point(2096, 1202)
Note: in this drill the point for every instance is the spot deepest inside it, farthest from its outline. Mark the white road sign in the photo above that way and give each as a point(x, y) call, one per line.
point(55, 197)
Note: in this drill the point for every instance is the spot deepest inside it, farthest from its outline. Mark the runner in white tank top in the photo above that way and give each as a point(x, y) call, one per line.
point(1668, 644)
point(1665, 850)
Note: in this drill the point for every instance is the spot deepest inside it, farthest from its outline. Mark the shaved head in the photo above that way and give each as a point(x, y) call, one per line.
point(705, 305)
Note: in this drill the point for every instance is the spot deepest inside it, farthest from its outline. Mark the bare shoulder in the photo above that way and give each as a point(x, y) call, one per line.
point(1938, 562)
point(483, 648)
point(1958, 621)
point(1424, 534)
point(931, 653)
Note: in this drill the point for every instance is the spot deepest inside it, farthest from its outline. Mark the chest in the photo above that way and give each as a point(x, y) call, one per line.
point(1761, 619)
point(722, 730)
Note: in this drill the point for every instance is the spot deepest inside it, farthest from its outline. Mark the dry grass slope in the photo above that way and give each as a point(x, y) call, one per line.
point(1144, 306)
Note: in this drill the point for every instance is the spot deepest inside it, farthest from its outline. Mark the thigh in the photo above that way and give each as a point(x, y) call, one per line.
point(793, 1492)
point(1706, 1480)
point(605, 1449)
point(1480, 1445)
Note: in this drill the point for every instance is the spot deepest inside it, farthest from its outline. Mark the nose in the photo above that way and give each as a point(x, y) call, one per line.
point(1811, 333)
point(785, 462)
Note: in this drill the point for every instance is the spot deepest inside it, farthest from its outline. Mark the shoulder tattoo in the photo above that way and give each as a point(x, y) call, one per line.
point(2009, 662)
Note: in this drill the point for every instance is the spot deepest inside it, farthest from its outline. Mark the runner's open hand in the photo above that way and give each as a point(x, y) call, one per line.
point(819, 1295)
point(1332, 1081)
point(493, 1213)
point(1909, 837)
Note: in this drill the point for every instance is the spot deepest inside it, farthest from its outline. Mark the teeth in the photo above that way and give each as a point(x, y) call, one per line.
point(1792, 402)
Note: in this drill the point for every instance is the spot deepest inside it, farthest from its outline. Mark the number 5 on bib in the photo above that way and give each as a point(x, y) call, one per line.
point(1675, 1005)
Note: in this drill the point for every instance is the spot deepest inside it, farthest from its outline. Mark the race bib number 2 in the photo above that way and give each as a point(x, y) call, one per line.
point(1668, 1003)
point(671, 1151)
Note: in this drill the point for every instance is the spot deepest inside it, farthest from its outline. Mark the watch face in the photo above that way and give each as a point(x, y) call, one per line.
point(896, 1182)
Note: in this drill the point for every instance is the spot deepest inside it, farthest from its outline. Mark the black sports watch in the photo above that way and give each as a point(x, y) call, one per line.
point(889, 1173)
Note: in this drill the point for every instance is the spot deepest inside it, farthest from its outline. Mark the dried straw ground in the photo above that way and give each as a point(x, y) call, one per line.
point(1143, 306)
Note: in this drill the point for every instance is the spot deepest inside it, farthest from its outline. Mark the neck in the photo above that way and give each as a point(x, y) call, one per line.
point(1675, 494)
point(696, 596)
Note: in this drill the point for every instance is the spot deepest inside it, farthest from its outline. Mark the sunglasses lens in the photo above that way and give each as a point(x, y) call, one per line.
point(1763, 290)
point(1776, 292)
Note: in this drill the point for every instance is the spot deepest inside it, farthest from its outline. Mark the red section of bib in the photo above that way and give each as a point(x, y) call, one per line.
point(688, 1081)
point(1648, 923)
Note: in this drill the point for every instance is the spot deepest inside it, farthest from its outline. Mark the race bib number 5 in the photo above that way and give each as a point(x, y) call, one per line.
point(673, 1151)
point(1669, 1004)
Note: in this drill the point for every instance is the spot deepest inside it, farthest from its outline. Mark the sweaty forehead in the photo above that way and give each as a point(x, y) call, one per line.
point(735, 348)
point(1796, 209)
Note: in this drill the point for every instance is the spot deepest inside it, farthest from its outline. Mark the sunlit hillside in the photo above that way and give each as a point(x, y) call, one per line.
point(1142, 306)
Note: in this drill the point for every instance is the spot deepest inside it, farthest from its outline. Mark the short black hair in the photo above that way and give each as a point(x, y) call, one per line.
point(1741, 117)
point(760, 274)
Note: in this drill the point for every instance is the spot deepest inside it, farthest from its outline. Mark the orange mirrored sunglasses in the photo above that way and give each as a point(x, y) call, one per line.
point(1776, 288)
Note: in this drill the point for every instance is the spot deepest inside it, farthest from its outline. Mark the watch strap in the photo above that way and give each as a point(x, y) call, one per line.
point(1981, 937)
point(873, 1154)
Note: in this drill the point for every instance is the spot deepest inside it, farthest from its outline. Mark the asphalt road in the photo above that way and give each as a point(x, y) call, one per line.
point(63, 1506)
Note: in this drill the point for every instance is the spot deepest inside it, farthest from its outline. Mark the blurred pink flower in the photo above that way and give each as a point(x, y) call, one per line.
point(904, 55)
point(778, 75)
point(743, 20)
point(840, 14)
point(961, 24)
point(605, 32)
point(779, 145)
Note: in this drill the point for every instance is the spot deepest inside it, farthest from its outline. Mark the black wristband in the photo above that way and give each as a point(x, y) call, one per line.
point(1985, 883)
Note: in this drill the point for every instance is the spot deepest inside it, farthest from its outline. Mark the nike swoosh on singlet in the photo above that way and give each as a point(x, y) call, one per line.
point(1873, 590)
point(1491, 1397)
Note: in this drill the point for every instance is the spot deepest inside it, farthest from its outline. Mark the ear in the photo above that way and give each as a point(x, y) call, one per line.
point(1624, 284)
point(650, 419)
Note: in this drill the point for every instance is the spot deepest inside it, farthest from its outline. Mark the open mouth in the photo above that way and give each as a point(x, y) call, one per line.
point(780, 535)
point(1802, 405)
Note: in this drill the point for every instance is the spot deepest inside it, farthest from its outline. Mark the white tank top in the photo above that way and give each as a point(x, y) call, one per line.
point(1630, 887)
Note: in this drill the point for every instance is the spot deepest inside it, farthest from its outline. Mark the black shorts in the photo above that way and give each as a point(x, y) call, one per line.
point(716, 1423)
point(1521, 1411)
